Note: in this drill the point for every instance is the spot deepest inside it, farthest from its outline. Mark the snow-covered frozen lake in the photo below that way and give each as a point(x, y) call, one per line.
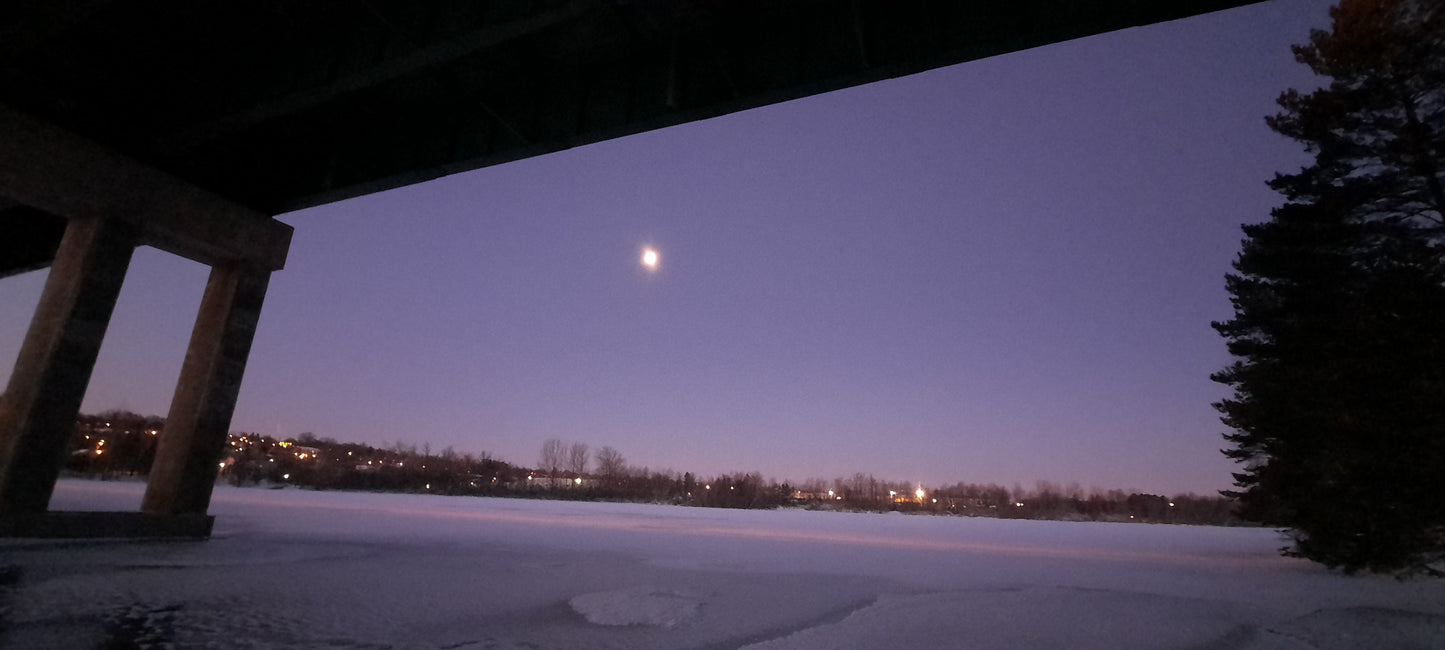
point(299, 569)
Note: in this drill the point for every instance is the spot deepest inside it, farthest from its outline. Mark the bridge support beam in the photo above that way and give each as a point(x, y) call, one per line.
point(194, 437)
point(112, 204)
point(53, 368)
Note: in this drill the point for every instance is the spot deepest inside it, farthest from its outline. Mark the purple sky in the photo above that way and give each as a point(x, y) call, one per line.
point(1001, 271)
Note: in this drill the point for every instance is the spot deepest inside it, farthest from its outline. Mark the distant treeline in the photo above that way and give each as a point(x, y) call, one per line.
point(119, 444)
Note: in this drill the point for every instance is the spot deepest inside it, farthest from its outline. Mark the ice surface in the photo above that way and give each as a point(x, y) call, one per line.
point(302, 569)
point(636, 606)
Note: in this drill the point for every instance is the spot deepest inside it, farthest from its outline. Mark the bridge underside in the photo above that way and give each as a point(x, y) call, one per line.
point(187, 126)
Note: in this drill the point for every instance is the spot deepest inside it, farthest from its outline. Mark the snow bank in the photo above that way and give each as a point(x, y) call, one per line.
point(292, 569)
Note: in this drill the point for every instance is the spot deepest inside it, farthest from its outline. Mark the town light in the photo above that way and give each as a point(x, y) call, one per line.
point(920, 494)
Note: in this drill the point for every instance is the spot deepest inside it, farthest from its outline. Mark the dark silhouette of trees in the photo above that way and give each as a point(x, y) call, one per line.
point(113, 444)
point(553, 457)
point(577, 458)
point(610, 464)
point(118, 443)
point(742, 490)
point(1338, 411)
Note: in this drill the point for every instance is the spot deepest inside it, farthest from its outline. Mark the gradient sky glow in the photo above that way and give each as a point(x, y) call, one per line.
point(1000, 271)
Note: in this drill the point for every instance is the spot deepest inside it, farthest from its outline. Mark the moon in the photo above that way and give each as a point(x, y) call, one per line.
point(650, 259)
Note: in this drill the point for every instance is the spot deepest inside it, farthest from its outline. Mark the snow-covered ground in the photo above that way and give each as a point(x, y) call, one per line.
point(298, 569)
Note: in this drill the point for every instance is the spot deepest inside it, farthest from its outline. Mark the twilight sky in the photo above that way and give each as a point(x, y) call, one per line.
point(1000, 271)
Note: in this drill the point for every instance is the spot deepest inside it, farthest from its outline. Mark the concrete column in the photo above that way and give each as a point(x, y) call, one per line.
point(191, 444)
point(53, 369)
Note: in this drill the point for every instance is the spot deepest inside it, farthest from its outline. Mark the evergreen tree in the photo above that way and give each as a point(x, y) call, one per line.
point(1338, 412)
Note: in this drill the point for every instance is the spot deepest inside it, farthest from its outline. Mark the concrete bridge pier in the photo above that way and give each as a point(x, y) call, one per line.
point(111, 204)
point(188, 454)
point(55, 361)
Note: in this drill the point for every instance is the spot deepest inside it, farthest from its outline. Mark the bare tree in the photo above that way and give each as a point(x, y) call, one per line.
point(554, 455)
point(577, 458)
point(610, 463)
